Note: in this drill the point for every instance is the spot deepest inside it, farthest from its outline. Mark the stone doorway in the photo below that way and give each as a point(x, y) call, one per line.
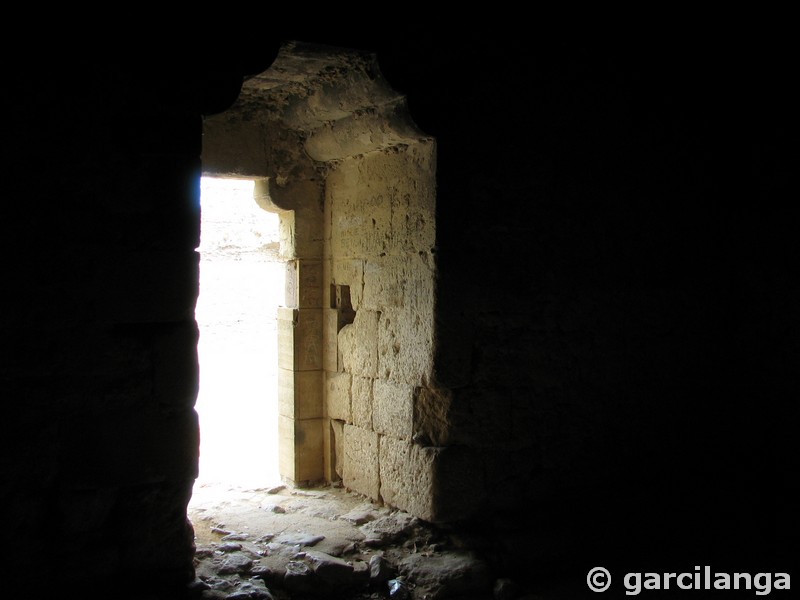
point(333, 149)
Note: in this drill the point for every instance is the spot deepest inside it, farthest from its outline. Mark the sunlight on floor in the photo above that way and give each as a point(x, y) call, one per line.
point(241, 286)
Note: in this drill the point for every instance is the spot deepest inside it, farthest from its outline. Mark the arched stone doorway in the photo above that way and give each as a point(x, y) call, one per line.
point(333, 149)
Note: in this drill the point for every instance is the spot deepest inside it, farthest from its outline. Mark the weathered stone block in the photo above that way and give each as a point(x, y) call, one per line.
point(361, 402)
point(303, 281)
point(350, 272)
point(474, 417)
point(405, 280)
point(383, 202)
point(286, 234)
point(407, 476)
point(291, 286)
point(337, 396)
point(361, 214)
point(361, 461)
point(337, 432)
point(358, 343)
point(286, 322)
point(393, 408)
point(330, 340)
point(330, 569)
point(286, 447)
point(436, 484)
point(300, 339)
point(309, 230)
point(448, 575)
point(384, 281)
point(300, 394)
point(405, 345)
point(308, 340)
point(300, 449)
point(432, 421)
point(308, 448)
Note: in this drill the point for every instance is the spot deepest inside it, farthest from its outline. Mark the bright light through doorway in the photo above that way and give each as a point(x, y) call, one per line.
point(241, 286)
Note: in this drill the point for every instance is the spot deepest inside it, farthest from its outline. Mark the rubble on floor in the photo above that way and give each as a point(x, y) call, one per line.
point(329, 543)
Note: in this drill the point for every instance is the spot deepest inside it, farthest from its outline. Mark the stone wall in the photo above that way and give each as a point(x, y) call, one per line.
point(380, 249)
point(99, 372)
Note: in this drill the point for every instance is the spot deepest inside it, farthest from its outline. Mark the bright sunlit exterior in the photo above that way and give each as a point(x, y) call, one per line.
point(241, 286)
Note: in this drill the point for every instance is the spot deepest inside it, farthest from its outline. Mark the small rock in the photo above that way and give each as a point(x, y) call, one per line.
point(349, 548)
point(380, 570)
point(204, 552)
point(235, 537)
point(255, 589)
point(398, 589)
point(229, 547)
point(447, 574)
point(302, 539)
point(359, 515)
point(272, 575)
point(265, 538)
point(274, 508)
point(388, 529)
point(330, 569)
point(276, 489)
point(221, 531)
point(236, 563)
point(220, 585)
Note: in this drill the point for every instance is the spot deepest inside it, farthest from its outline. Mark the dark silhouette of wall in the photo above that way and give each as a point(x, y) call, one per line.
point(618, 302)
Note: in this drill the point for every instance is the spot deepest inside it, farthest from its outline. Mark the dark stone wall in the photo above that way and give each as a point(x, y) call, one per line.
point(618, 298)
point(100, 219)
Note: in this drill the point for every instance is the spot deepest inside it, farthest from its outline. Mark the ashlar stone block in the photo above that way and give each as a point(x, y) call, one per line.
point(350, 272)
point(405, 280)
point(407, 476)
point(330, 340)
point(358, 343)
point(300, 449)
point(361, 402)
point(337, 433)
point(300, 339)
point(360, 463)
point(405, 346)
point(393, 405)
point(337, 396)
point(300, 394)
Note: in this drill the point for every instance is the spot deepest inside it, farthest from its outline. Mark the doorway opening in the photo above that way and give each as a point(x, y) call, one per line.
point(241, 287)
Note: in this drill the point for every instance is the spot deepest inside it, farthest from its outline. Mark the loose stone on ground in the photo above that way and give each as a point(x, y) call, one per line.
point(334, 545)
